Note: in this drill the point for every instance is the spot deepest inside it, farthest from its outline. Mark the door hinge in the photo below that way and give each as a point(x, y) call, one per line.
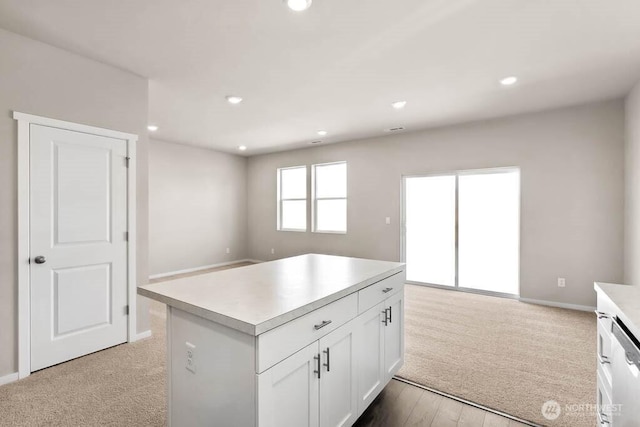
point(126, 161)
point(126, 236)
point(126, 310)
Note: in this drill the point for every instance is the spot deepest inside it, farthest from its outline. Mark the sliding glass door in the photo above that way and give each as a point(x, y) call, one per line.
point(430, 223)
point(462, 229)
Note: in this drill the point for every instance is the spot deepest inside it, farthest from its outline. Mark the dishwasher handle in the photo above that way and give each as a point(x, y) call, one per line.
point(627, 341)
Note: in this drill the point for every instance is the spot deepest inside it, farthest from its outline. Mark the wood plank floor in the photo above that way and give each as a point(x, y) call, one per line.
point(401, 404)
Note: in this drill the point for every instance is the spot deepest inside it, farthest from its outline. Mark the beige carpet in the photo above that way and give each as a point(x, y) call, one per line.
point(502, 353)
point(119, 386)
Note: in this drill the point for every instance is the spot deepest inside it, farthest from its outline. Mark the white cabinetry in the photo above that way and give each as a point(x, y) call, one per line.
point(381, 345)
point(338, 377)
point(394, 335)
point(618, 371)
point(315, 386)
point(288, 391)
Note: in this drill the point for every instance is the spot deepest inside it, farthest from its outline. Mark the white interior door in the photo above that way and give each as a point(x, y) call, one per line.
point(78, 248)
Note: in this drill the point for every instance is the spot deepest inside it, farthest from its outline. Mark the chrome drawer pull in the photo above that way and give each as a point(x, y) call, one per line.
point(602, 315)
point(321, 325)
point(385, 290)
point(603, 359)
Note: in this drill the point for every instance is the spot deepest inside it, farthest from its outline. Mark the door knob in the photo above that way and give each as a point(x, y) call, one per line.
point(40, 259)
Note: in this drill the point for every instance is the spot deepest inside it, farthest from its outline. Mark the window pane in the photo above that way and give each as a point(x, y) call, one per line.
point(489, 227)
point(294, 215)
point(331, 180)
point(430, 234)
point(293, 183)
point(331, 215)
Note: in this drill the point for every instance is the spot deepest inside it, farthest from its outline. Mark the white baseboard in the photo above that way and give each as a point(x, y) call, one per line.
point(142, 335)
point(9, 378)
point(204, 267)
point(558, 304)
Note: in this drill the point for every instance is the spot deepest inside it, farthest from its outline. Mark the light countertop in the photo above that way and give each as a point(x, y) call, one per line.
point(626, 302)
point(260, 297)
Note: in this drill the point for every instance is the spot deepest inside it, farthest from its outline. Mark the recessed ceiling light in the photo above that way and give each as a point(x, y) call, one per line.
point(322, 132)
point(508, 81)
point(399, 104)
point(298, 5)
point(152, 128)
point(234, 99)
point(242, 147)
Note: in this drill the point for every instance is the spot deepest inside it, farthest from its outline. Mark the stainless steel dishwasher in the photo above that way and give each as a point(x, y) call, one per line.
point(625, 377)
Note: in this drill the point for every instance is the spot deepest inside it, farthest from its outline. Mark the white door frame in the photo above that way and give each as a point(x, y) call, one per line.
point(24, 295)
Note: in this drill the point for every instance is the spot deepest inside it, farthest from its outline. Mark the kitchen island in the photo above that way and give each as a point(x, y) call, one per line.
point(303, 341)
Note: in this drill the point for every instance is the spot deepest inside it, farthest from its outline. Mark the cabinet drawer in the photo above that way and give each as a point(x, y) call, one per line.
point(279, 343)
point(604, 402)
point(604, 347)
point(379, 291)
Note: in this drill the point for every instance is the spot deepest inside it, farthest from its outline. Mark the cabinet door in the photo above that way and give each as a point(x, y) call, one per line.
point(288, 391)
point(338, 381)
point(394, 335)
point(370, 355)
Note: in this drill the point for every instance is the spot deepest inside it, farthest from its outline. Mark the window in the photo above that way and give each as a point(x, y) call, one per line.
point(292, 199)
point(330, 198)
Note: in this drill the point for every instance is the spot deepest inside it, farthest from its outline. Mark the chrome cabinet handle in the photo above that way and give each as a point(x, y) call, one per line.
point(327, 365)
point(602, 315)
point(385, 290)
point(603, 359)
point(321, 325)
point(318, 359)
point(386, 318)
point(390, 321)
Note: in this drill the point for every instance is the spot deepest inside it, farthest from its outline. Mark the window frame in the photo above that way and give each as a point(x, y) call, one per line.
point(280, 200)
point(314, 199)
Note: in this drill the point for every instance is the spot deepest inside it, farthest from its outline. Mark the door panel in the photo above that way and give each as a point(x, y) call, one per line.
point(371, 358)
point(78, 219)
point(338, 384)
point(81, 181)
point(288, 391)
point(489, 231)
point(430, 239)
point(82, 298)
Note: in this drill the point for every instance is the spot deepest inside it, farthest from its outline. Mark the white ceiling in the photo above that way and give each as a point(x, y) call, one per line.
point(340, 64)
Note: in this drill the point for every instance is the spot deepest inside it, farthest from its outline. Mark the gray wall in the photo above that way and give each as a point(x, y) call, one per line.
point(39, 79)
point(632, 189)
point(197, 207)
point(572, 181)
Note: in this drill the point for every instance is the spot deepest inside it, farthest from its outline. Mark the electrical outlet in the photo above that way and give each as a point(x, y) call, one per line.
point(191, 357)
point(228, 250)
point(561, 282)
point(273, 251)
point(388, 220)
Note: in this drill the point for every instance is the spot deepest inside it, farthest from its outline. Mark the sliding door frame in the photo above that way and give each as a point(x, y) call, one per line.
point(457, 174)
